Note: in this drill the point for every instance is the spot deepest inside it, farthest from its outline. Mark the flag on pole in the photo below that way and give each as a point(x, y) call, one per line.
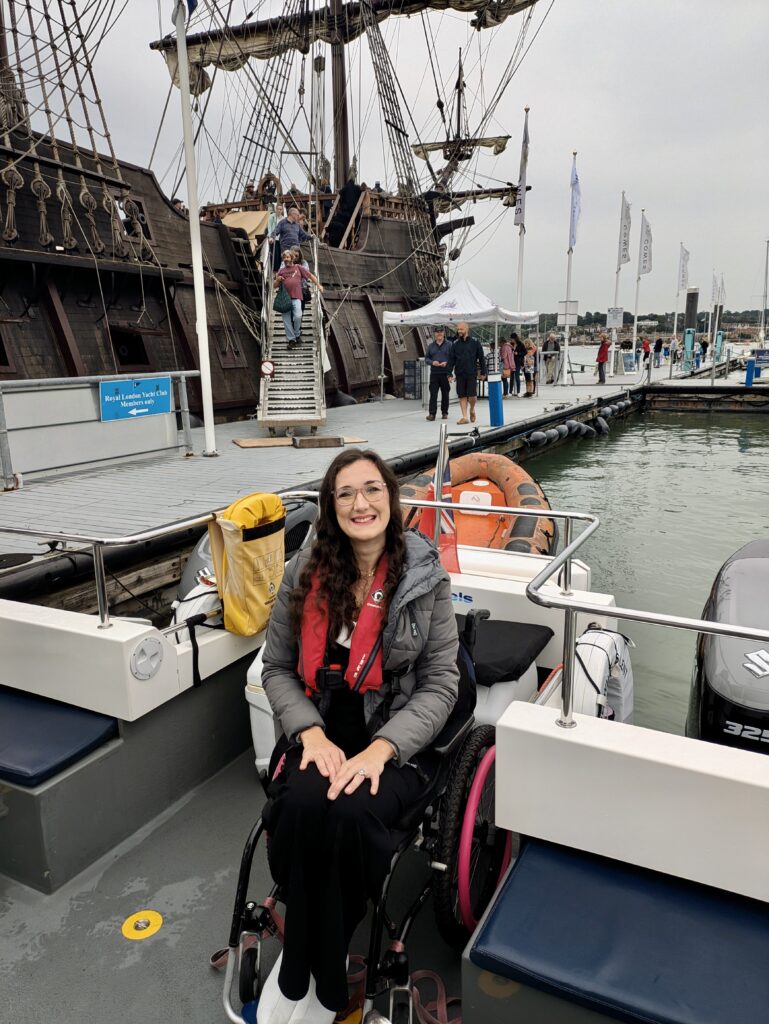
point(520, 203)
point(721, 292)
point(447, 538)
point(623, 256)
point(683, 269)
point(191, 5)
point(576, 203)
point(645, 250)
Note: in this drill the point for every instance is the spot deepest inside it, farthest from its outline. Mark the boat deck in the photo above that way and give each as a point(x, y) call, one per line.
point(63, 956)
point(128, 498)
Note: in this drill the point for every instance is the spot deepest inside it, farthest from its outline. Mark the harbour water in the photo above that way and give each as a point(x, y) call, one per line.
point(676, 495)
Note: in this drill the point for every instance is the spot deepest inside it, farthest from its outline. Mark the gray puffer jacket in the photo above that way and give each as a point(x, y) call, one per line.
point(419, 647)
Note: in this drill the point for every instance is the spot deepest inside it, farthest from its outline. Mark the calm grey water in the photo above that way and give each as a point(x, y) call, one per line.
point(676, 495)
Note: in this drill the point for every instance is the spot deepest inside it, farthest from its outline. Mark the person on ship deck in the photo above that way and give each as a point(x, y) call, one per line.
point(288, 233)
point(360, 671)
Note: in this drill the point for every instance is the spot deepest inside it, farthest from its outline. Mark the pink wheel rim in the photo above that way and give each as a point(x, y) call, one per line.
point(466, 840)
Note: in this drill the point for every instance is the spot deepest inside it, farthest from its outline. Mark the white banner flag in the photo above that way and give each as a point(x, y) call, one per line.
point(520, 204)
point(645, 249)
point(721, 292)
point(683, 269)
point(714, 290)
point(623, 254)
point(576, 204)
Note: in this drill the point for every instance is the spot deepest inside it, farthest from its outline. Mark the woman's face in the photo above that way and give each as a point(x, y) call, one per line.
point(365, 518)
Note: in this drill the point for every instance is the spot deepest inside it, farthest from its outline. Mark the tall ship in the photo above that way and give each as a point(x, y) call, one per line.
point(97, 261)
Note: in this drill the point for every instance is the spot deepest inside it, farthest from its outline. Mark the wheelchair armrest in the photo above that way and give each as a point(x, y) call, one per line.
point(451, 737)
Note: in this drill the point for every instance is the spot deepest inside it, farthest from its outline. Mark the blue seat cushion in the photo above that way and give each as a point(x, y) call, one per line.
point(40, 737)
point(627, 942)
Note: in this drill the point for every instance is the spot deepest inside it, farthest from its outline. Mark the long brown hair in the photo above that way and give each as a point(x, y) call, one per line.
point(332, 558)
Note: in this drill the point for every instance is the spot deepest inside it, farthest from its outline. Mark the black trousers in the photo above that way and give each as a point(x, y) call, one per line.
point(330, 858)
point(439, 382)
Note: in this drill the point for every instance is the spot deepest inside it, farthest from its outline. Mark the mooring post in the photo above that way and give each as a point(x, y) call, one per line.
point(184, 409)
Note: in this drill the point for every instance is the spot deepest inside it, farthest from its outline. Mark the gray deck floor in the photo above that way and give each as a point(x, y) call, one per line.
point(128, 498)
point(63, 957)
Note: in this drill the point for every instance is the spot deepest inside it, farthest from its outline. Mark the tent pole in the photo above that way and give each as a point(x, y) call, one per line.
point(381, 368)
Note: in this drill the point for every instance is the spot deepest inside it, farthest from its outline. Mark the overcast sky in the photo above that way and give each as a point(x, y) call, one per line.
point(665, 99)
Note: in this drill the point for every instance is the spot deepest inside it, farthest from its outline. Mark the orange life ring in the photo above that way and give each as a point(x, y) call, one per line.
point(482, 479)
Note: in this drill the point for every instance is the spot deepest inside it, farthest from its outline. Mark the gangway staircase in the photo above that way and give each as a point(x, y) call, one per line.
point(293, 395)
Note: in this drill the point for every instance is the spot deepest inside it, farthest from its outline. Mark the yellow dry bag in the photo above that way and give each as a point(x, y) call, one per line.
point(248, 549)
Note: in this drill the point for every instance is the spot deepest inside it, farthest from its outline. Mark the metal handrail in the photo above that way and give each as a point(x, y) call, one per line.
point(562, 599)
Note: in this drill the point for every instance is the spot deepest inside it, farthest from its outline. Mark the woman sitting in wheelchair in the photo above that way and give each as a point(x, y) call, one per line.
point(360, 671)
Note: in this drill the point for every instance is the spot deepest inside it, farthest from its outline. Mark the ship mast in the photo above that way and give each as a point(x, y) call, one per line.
point(339, 92)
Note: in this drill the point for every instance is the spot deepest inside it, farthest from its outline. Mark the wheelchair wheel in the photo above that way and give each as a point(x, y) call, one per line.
point(249, 982)
point(473, 849)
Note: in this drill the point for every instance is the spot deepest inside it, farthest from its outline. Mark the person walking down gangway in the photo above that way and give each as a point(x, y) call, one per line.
point(507, 363)
point(287, 234)
point(467, 364)
point(437, 358)
point(602, 359)
point(360, 669)
point(291, 275)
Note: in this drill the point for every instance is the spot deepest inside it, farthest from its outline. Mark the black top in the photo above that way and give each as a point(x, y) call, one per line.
point(344, 719)
point(467, 357)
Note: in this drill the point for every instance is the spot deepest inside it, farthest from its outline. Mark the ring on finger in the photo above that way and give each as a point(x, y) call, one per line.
point(363, 772)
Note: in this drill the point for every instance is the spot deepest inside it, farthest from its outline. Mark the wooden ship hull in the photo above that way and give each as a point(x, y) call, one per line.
point(82, 310)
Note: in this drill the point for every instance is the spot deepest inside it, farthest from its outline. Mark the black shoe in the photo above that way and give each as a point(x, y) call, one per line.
point(429, 417)
point(445, 416)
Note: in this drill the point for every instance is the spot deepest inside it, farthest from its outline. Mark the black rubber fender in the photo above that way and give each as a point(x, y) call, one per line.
point(537, 438)
point(552, 435)
point(573, 426)
point(590, 431)
point(563, 430)
point(601, 425)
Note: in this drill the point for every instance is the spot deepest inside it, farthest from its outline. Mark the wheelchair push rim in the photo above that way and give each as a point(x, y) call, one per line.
point(479, 835)
point(467, 827)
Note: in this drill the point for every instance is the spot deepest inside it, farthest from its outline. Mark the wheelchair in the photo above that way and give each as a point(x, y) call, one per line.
point(453, 826)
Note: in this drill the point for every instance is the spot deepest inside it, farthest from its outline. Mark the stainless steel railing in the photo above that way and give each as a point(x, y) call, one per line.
point(561, 597)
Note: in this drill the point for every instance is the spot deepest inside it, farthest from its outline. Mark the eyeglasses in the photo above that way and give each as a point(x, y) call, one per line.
point(346, 496)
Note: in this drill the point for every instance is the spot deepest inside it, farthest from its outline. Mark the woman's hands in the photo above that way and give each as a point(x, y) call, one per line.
point(370, 761)
point(317, 749)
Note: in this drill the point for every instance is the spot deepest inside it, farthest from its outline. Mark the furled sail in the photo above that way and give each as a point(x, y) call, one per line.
point(229, 49)
point(449, 147)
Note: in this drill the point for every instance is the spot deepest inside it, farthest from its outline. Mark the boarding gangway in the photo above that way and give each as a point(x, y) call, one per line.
point(293, 395)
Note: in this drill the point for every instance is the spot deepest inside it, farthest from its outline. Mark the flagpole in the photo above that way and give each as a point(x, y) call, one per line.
point(193, 205)
point(565, 364)
point(678, 289)
point(762, 329)
point(613, 346)
point(638, 284)
point(713, 297)
point(522, 200)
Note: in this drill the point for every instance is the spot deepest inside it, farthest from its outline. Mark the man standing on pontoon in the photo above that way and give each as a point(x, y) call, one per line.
point(466, 363)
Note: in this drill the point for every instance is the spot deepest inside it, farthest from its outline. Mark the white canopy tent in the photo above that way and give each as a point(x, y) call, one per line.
point(463, 302)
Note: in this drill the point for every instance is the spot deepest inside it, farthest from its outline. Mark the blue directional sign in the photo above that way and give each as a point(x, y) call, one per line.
point(134, 399)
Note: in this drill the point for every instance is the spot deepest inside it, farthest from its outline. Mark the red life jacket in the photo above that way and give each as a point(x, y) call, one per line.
point(364, 671)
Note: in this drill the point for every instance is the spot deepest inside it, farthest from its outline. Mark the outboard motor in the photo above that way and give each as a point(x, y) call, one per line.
point(729, 700)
